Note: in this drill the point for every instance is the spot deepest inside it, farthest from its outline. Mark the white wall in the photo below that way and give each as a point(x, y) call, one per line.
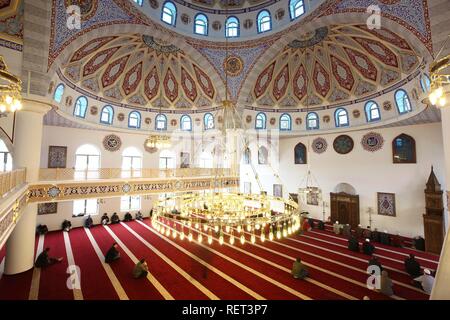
point(367, 172)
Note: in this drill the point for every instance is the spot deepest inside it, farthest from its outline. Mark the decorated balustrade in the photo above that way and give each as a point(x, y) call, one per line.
point(9, 180)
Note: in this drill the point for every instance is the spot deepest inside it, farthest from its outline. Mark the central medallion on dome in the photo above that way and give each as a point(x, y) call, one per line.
point(159, 45)
point(309, 39)
point(233, 65)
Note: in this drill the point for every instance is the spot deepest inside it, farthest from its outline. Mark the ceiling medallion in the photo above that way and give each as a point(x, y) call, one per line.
point(233, 65)
point(326, 119)
point(279, 14)
point(120, 117)
point(387, 105)
point(159, 45)
point(343, 144)
point(319, 145)
point(309, 39)
point(356, 113)
point(185, 18)
point(248, 118)
point(148, 120)
point(372, 141)
point(216, 25)
point(94, 110)
point(248, 23)
point(154, 4)
point(112, 142)
point(298, 121)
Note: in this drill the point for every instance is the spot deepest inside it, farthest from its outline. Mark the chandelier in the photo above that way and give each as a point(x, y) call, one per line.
point(10, 88)
point(440, 79)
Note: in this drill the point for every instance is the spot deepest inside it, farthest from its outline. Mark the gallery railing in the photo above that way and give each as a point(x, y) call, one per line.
point(11, 179)
point(66, 174)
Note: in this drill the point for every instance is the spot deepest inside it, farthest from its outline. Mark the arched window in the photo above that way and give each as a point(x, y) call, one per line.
point(107, 115)
point(296, 8)
point(300, 155)
point(425, 83)
point(80, 107)
point(87, 162)
point(285, 122)
point(166, 160)
point(403, 149)
point(134, 120)
point(169, 13)
point(5, 158)
point(263, 155)
point(206, 160)
point(59, 92)
point(232, 27)
point(341, 118)
point(139, 2)
point(185, 123)
point(372, 111)
point(208, 121)
point(264, 21)
point(161, 122)
point(247, 156)
point(131, 162)
point(312, 121)
point(402, 101)
point(201, 24)
point(260, 121)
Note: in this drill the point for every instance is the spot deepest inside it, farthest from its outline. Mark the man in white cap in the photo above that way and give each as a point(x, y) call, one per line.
point(337, 228)
point(426, 280)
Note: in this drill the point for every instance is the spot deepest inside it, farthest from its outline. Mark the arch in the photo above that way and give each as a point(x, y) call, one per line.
point(341, 118)
point(6, 161)
point(344, 187)
point(87, 162)
point(107, 115)
point(300, 155)
point(403, 149)
point(232, 28)
point(208, 121)
point(169, 13)
point(134, 120)
point(425, 83)
point(296, 8)
point(161, 122)
point(167, 159)
point(402, 101)
point(201, 24)
point(131, 162)
point(59, 93)
point(186, 123)
point(263, 155)
point(372, 111)
point(285, 122)
point(264, 21)
point(80, 107)
point(312, 121)
point(260, 121)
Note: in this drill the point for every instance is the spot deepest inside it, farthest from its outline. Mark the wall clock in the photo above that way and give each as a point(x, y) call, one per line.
point(343, 144)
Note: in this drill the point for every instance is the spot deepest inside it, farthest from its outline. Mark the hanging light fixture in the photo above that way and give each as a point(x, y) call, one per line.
point(10, 88)
point(440, 78)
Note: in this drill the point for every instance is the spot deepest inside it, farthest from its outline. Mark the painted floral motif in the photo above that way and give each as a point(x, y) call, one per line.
point(281, 83)
point(372, 141)
point(112, 142)
point(319, 145)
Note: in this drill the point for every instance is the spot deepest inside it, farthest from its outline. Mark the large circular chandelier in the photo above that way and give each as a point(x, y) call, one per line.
point(157, 141)
point(10, 88)
point(440, 79)
point(225, 217)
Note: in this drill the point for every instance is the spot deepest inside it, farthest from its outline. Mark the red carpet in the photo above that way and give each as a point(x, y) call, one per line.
point(2, 253)
point(94, 281)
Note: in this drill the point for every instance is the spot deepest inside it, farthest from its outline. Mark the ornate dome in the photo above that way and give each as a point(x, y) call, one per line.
point(333, 65)
point(140, 70)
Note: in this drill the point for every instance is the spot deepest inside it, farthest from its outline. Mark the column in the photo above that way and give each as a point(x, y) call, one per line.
point(27, 154)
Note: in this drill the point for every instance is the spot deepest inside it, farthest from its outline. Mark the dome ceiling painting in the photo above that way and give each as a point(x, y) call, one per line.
point(332, 65)
point(140, 70)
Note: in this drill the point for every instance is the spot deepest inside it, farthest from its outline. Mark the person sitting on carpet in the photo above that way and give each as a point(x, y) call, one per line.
point(386, 284)
point(299, 271)
point(367, 233)
point(346, 230)
point(128, 217)
point(112, 254)
point(66, 225)
point(353, 244)
point(373, 261)
point(105, 219)
point(43, 260)
point(311, 223)
point(139, 216)
point(140, 269)
point(397, 241)
point(368, 248)
point(42, 229)
point(385, 238)
point(320, 225)
point(306, 226)
point(359, 231)
point(337, 228)
point(115, 218)
point(426, 281)
point(88, 223)
point(412, 266)
point(375, 235)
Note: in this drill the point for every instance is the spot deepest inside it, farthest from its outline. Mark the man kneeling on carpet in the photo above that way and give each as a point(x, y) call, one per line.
point(105, 219)
point(139, 216)
point(368, 248)
point(115, 218)
point(43, 260)
point(88, 223)
point(112, 254)
point(66, 225)
point(128, 217)
point(140, 269)
point(353, 244)
point(299, 271)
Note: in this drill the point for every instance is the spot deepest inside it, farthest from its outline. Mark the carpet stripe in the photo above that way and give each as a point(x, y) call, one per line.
point(166, 295)
point(110, 273)
point(76, 287)
point(197, 284)
point(35, 280)
point(209, 266)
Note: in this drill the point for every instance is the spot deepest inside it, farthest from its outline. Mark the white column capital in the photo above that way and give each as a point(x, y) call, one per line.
point(36, 106)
